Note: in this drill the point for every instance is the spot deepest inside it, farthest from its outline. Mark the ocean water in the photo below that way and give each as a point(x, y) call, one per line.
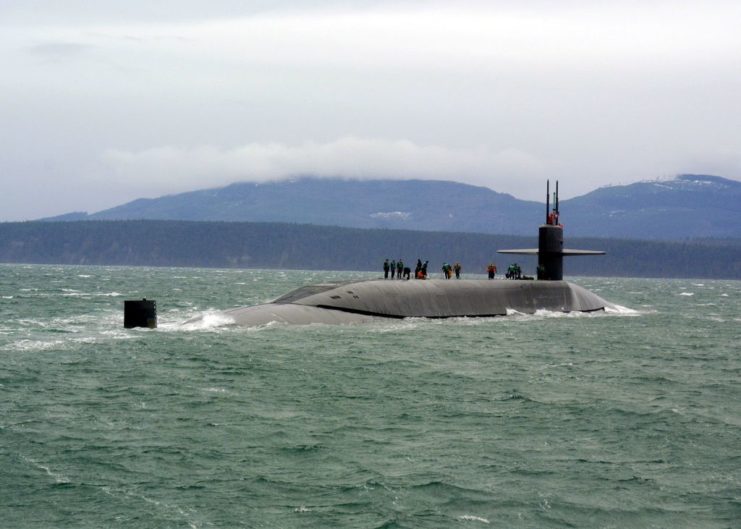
point(630, 418)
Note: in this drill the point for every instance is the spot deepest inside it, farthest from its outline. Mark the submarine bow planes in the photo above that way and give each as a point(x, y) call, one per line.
point(372, 300)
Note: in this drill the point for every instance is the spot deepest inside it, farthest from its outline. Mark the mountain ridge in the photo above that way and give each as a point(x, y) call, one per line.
point(688, 206)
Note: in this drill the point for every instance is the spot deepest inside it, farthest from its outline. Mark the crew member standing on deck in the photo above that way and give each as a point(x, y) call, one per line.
point(386, 267)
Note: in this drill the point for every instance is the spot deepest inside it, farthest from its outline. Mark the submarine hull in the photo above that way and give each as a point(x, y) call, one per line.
point(292, 314)
point(362, 301)
point(366, 301)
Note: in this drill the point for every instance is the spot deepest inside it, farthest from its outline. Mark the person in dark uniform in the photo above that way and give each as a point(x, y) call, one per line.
point(386, 267)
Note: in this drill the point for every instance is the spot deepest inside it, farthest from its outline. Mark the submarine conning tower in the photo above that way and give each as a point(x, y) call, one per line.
point(550, 240)
point(550, 249)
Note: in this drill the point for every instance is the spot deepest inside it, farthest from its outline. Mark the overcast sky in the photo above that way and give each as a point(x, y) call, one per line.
point(105, 102)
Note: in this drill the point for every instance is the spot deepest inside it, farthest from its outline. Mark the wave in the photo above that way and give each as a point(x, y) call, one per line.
point(619, 309)
point(58, 477)
point(78, 294)
point(210, 320)
point(472, 518)
point(26, 345)
point(414, 323)
point(173, 511)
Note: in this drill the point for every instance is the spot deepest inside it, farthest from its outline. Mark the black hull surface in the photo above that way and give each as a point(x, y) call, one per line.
point(364, 301)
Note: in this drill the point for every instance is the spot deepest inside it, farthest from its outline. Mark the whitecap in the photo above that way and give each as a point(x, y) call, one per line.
point(87, 339)
point(476, 320)
point(513, 312)
point(405, 324)
point(619, 309)
point(472, 518)
point(33, 345)
point(543, 313)
point(29, 321)
point(208, 320)
point(119, 334)
point(686, 293)
point(187, 513)
point(59, 478)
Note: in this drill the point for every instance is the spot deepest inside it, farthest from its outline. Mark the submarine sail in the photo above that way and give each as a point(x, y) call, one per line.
point(550, 250)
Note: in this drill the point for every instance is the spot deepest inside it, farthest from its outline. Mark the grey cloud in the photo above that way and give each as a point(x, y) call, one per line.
point(497, 93)
point(348, 157)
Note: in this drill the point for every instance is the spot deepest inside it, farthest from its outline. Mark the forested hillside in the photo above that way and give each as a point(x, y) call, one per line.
point(273, 245)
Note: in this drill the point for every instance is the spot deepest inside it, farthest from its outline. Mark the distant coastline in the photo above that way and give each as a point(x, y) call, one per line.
point(687, 207)
point(301, 246)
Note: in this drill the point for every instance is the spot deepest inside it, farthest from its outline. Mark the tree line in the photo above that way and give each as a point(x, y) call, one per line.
point(297, 246)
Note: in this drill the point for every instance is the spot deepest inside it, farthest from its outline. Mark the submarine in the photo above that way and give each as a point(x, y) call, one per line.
point(377, 299)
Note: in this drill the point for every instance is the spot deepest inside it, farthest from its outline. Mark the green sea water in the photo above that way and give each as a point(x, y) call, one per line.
point(630, 418)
